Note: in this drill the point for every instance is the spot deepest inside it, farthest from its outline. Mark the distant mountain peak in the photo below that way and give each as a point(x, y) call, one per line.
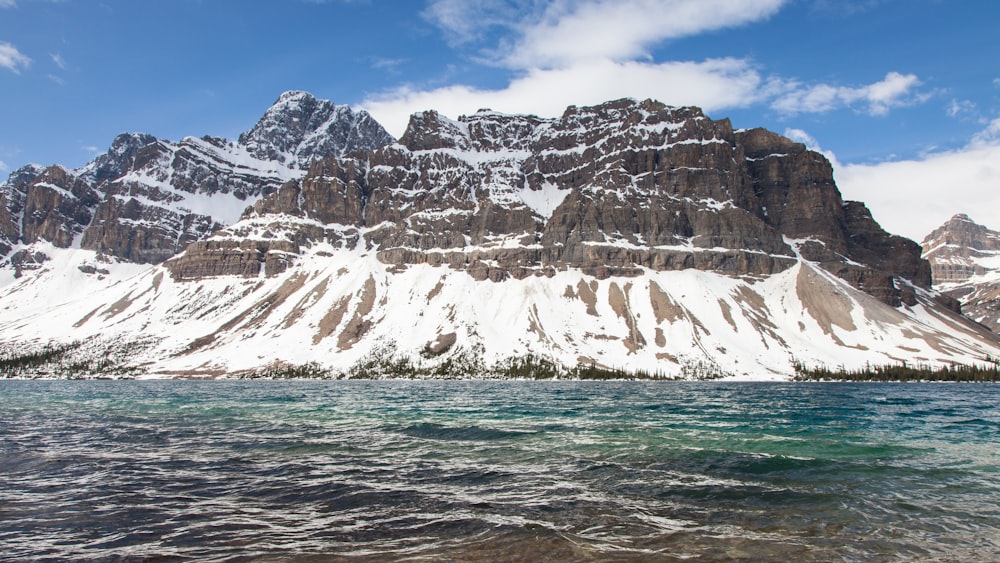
point(300, 128)
point(965, 265)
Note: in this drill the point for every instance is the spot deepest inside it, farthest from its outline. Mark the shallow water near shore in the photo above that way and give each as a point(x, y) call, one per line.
point(477, 470)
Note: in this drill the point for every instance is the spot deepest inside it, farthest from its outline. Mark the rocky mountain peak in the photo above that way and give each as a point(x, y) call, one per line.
point(965, 264)
point(429, 130)
point(963, 233)
point(300, 128)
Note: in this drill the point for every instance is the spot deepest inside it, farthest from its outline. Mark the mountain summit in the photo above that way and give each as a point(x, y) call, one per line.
point(300, 128)
point(630, 235)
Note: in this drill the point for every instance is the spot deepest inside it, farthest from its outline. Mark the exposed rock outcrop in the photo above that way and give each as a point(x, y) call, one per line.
point(609, 190)
point(965, 263)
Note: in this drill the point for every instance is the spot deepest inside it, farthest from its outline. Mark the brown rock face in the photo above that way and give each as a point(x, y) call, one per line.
point(57, 207)
point(609, 189)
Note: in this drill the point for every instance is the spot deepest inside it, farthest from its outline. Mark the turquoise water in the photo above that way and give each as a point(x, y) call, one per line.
point(500, 471)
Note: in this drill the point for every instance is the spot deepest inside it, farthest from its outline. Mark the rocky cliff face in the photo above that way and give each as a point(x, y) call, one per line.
point(611, 190)
point(145, 199)
point(965, 264)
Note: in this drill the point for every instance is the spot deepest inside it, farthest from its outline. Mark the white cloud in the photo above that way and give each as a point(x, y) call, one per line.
point(960, 107)
point(894, 90)
point(465, 21)
point(570, 32)
point(8, 3)
point(914, 197)
point(59, 60)
point(91, 149)
point(561, 33)
point(988, 136)
point(3, 166)
point(387, 64)
point(12, 59)
point(712, 84)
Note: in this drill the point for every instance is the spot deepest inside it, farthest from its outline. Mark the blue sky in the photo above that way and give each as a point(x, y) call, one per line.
point(903, 95)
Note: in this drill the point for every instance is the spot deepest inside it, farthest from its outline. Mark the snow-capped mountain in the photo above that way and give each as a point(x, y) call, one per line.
point(629, 235)
point(965, 261)
point(145, 199)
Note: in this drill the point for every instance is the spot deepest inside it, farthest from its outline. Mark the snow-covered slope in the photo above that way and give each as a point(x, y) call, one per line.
point(340, 308)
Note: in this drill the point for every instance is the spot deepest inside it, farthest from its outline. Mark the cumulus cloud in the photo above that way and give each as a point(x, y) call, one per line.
point(712, 84)
point(914, 197)
point(12, 59)
point(878, 98)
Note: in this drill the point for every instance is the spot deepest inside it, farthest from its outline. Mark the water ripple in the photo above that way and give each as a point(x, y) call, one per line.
point(230, 471)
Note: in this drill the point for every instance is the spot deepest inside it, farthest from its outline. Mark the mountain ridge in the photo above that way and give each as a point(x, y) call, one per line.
point(630, 234)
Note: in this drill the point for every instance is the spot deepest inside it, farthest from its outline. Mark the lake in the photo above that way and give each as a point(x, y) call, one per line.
point(499, 471)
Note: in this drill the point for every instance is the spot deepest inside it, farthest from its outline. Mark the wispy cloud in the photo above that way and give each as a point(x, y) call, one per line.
point(957, 108)
point(12, 59)
point(57, 79)
point(468, 21)
point(59, 60)
point(3, 166)
point(878, 98)
point(387, 64)
point(8, 3)
point(91, 149)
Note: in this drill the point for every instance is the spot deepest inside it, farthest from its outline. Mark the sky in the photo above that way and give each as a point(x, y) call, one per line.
point(903, 96)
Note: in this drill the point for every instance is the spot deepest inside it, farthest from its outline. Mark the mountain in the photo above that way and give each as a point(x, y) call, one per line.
point(965, 264)
point(629, 235)
point(146, 199)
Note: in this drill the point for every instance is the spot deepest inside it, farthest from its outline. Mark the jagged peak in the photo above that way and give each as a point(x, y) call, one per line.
point(429, 129)
point(299, 128)
point(290, 95)
point(31, 169)
point(132, 138)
